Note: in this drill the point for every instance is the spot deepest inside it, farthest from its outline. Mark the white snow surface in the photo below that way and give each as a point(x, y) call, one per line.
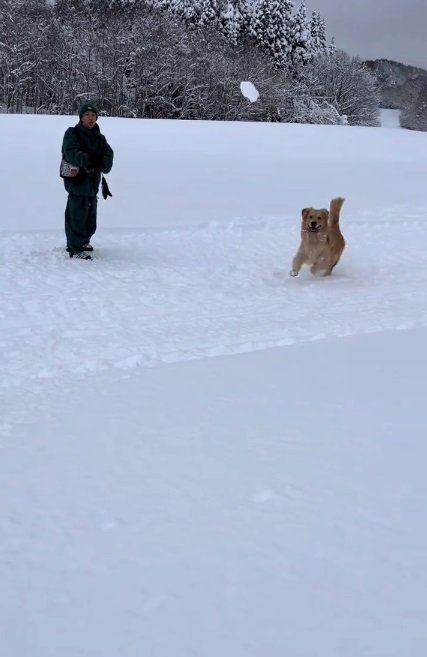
point(199, 455)
point(390, 118)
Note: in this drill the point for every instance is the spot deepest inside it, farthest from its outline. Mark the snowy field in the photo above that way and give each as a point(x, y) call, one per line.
point(200, 456)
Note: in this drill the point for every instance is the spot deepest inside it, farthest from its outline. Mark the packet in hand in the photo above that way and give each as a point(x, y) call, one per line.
point(68, 170)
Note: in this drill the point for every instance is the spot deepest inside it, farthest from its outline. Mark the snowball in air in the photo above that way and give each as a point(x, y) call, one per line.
point(249, 91)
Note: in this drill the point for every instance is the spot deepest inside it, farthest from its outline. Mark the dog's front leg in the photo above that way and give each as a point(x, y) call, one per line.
point(297, 263)
point(321, 265)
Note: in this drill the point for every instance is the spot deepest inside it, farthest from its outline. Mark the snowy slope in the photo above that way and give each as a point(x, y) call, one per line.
point(199, 455)
point(241, 506)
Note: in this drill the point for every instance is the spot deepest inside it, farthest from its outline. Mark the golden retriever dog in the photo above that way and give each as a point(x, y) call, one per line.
point(322, 242)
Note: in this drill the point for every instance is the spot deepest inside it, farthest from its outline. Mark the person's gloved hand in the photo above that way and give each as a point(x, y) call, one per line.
point(97, 163)
point(105, 189)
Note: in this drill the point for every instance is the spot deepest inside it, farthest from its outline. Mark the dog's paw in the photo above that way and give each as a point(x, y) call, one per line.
point(293, 273)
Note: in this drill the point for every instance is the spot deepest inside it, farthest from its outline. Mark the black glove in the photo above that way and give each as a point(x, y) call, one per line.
point(98, 163)
point(95, 164)
point(105, 190)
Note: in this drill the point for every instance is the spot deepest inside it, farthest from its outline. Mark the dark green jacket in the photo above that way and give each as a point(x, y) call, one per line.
point(90, 151)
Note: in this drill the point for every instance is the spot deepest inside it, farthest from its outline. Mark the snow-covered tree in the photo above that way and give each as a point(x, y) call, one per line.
point(414, 117)
point(188, 10)
point(345, 83)
point(317, 34)
point(270, 26)
point(25, 37)
point(232, 22)
point(258, 21)
point(208, 12)
point(300, 38)
point(311, 110)
point(135, 60)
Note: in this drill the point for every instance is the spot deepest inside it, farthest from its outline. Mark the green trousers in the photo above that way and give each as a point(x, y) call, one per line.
point(80, 221)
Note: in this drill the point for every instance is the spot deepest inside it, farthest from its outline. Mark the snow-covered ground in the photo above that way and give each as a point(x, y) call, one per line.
point(199, 455)
point(390, 118)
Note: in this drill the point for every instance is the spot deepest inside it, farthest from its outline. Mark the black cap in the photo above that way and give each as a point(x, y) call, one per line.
point(87, 107)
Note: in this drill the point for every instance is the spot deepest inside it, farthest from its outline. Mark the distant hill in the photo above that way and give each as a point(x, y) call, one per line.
point(402, 87)
point(399, 83)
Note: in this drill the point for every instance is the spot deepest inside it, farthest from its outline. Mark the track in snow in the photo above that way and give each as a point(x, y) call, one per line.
point(169, 295)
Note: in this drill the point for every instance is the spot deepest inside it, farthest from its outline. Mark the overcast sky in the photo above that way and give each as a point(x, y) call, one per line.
point(374, 29)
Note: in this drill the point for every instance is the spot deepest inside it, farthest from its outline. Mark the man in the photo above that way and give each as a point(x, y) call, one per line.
point(86, 148)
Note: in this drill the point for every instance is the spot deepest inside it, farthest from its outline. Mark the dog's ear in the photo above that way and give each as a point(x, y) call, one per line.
point(304, 213)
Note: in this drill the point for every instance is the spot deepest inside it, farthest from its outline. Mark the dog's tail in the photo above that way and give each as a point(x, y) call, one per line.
point(335, 209)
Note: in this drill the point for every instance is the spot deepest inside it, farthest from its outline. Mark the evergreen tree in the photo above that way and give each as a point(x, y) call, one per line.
point(300, 38)
point(317, 29)
point(208, 12)
point(271, 27)
point(188, 10)
point(231, 21)
point(257, 26)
